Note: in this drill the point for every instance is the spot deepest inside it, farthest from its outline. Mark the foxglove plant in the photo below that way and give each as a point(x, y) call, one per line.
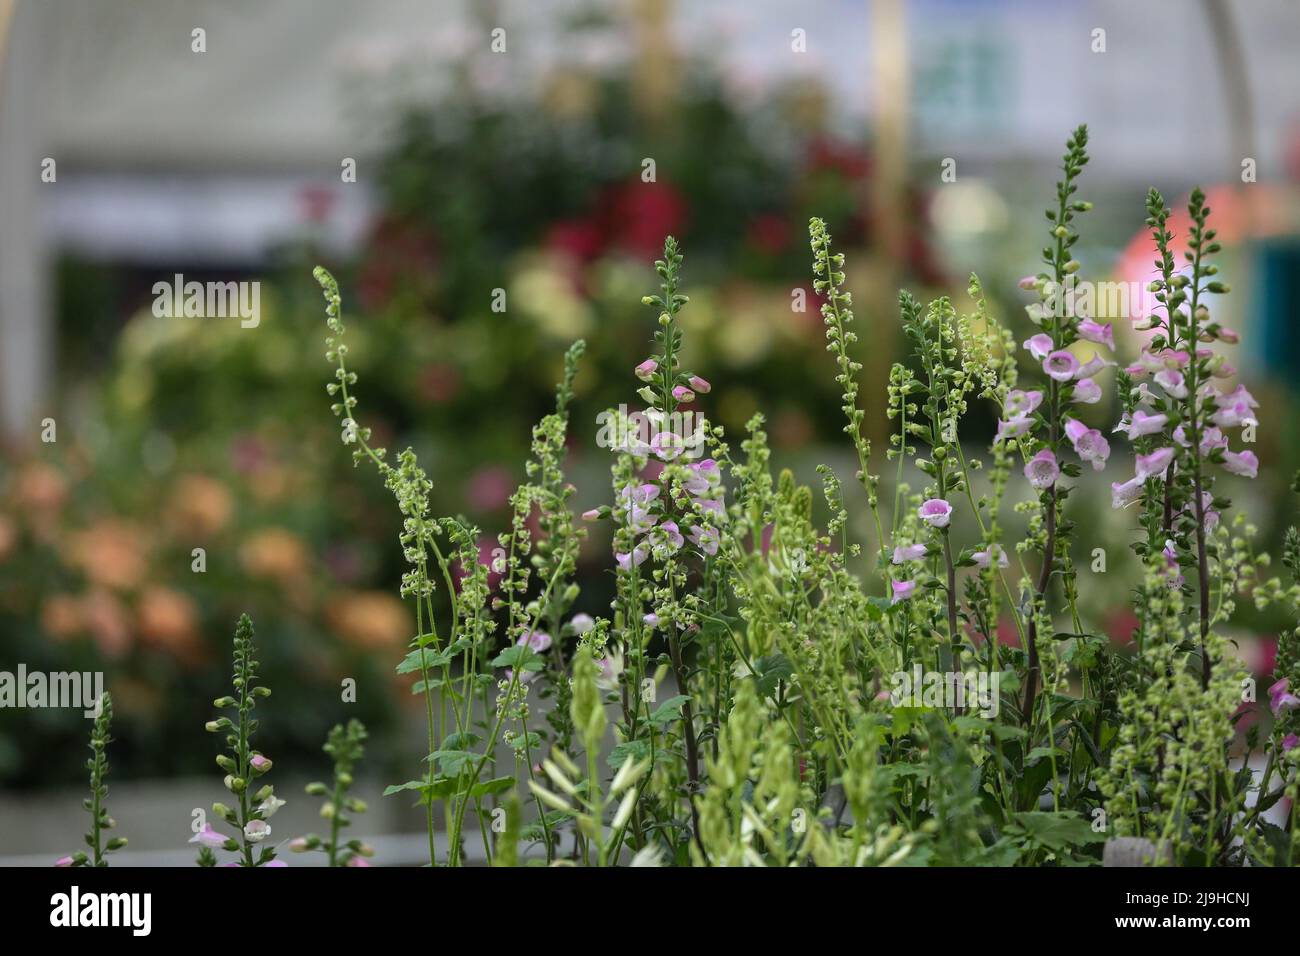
point(244, 766)
point(803, 725)
point(346, 745)
point(100, 821)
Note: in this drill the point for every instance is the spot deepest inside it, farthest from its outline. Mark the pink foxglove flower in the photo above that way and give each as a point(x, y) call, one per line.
point(711, 507)
point(1123, 494)
point(1087, 391)
point(1020, 404)
point(667, 445)
point(1061, 365)
point(700, 385)
point(903, 590)
point(582, 623)
point(1290, 742)
point(1013, 428)
point(1172, 382)
point(1091, 367)
point(984, 559)
point(1156, 463)
point(1281, 698)
point(1039, 346)
point(1243, 463)
point(257, 830)
point(646, 370)
point(1171, 565)
point(1237, 395)
point(209, 837)
point(683, 394)
point(635, 558)
point(1028, 283)
point(260, 764)
point(64, 861)
point(908, 552)
point(936, 513)
point(538, 641)
point(1098, 332)
point(666, 538)
point(1141, 423)
point(1089, 443)
point(1042, 470)
point(706, 539)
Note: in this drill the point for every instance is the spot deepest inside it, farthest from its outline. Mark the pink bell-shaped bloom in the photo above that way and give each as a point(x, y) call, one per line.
point(1087, 392)
point(903, 590)
point(1142, 423)
point(985, 558)
point(1123, 494)
point(538, 641)
point(1042, 470)
point(1098, 332)
point(706, 539)
point(1061, 365)
point(909, 552)
point(646, 370)
point(1039, 346)
point(1021, 403)
point(209, 837)
point(1156, 463)
point(935, 512)
point(1245, 463)
point(1171, 380)
point(1089, 443)
point(1013, 428)
point(700, 385)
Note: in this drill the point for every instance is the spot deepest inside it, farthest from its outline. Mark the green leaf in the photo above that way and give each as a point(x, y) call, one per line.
point(669, 711)
point(453, 763)
point(1056, 831)
point(633, 749)
point(519, 657)
point(462, 740)
point(432, 660)
point(438, 789)
point(771, 670)
point(488, 788)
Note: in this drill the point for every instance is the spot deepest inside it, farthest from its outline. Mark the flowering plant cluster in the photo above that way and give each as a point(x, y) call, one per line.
point(755, 696)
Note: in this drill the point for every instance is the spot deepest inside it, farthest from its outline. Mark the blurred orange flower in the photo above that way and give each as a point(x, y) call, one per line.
point(40, 487)
point(8, 538)
point(371, 620)
point(111, 553)
point(108, 621)
point(275, 554)
point(169, 619)
point(200, 505)
point(61, 616)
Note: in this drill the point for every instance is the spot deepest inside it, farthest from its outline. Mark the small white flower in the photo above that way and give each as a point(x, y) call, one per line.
point(257, 830)
point(268, 806)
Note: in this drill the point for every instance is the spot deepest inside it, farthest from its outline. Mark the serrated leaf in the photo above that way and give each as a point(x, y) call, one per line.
point(669, 711)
